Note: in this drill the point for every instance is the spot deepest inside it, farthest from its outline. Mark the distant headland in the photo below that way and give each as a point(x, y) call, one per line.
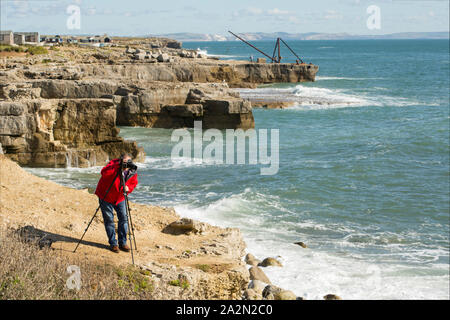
point(305, 36)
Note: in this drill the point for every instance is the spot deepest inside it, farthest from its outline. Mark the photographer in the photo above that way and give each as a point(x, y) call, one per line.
point(113, 199)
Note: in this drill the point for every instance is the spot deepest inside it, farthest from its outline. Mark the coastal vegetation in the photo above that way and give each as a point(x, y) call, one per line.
point(9, 48)
point(32, 50)
point(30, 272)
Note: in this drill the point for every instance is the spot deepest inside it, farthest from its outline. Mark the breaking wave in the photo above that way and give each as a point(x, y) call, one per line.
point(322, 78)
point(341, 269)
point(311, 98)
point(225, 56)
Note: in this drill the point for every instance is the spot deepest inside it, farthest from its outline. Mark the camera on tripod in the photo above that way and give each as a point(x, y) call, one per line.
point(128, 165)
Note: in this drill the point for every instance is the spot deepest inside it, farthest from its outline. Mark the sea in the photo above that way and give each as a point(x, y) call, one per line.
point(363, 175)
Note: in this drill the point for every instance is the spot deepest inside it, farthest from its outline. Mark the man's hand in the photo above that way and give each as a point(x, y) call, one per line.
point(126, 189)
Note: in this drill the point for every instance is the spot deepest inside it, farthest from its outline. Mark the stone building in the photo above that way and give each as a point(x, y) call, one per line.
point(27, 37)
point(6, 37)
point(19, 39)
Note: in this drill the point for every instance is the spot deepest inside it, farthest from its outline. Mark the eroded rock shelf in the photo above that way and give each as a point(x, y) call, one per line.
point(63, 110)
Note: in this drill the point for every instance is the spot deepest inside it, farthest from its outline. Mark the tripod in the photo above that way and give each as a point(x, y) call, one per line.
point(127, 208)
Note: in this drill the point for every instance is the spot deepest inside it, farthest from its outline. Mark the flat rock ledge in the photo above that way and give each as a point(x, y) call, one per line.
point(61, 109)
point(64, 123)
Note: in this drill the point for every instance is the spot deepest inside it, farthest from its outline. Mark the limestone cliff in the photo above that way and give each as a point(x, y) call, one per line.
point(58, 123)
point(62, 132)
point(63, 110)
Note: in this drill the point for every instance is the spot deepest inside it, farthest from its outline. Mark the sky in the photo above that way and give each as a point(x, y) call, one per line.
point(144, 17)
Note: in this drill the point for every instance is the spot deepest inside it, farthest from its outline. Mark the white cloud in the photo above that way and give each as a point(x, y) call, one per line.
point(274, 14)
point(277, 12)
point(333, 15)
point(254, 11)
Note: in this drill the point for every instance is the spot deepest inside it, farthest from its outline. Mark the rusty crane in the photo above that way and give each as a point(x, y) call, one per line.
point(276, 56)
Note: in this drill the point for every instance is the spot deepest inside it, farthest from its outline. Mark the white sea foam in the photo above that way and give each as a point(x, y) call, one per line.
point(307, 97)
point(205, 53)
point(313, 96)
point(342, 258)
point(317, 271)
point(166, 163)
point(321, 78)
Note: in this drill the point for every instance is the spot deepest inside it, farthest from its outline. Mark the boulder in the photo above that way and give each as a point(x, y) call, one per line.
point(270, 262)
point(139, 56)
point(164, 57)
point(257, 286)
point(130, 50)
point(261, 60)
point(257, 274)
point(301, 244)
point(250, 294)
point(284, 295)
point(251, 260)
point(332, 297)
point(195, 96)
point(270, 291)
point(186, 225)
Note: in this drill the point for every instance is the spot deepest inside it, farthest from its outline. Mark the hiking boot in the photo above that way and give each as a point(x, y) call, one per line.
point(125, 248)
point(114, 249)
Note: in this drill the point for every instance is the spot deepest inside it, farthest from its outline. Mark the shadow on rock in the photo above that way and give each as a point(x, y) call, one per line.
point(45, 239)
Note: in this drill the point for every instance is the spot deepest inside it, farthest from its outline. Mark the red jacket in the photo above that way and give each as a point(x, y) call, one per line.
point(115, 194)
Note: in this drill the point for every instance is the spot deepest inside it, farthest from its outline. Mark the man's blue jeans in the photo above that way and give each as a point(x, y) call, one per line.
point(108, 218)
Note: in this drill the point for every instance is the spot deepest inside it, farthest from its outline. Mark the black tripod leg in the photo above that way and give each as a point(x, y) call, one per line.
point(131, 223)
point(122, 182)
point(89, 224)
point(129, 238)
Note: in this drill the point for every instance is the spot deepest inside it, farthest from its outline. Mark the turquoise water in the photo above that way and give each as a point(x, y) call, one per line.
point(363, 178)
